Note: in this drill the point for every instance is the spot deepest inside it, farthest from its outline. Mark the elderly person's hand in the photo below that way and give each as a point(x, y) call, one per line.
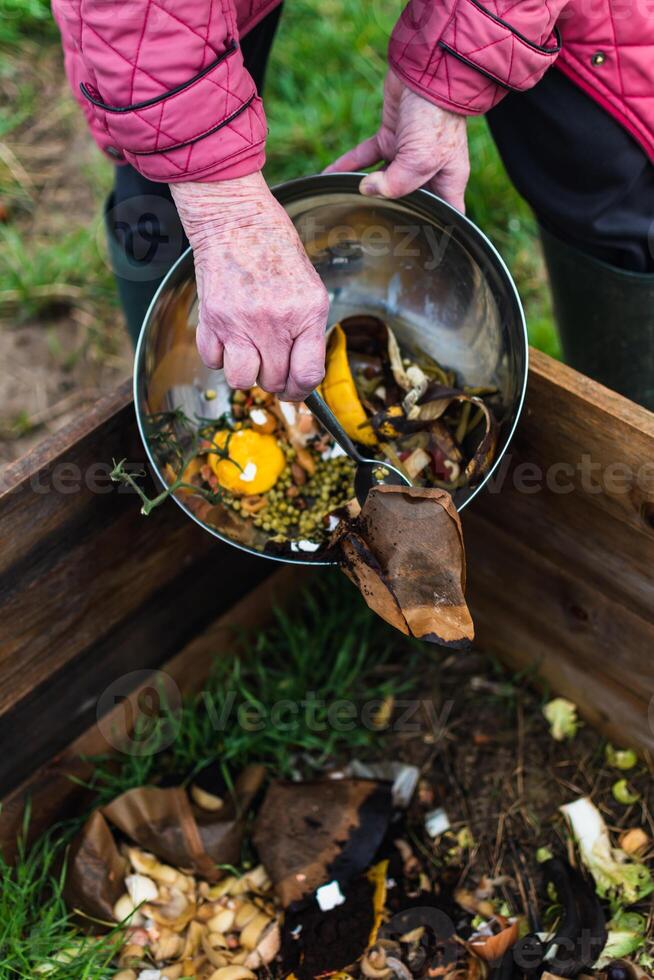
point(263, 308)
point(423, 145)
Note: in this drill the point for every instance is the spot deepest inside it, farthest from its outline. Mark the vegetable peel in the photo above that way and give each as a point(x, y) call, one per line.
point(617, 878)
point(623, 794)
point(254, 462)
point(561, 715)
point(340, 393)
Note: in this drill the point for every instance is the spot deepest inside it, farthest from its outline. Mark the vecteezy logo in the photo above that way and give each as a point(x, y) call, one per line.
point(148, 230)
point(145, 237)
point(138, 714)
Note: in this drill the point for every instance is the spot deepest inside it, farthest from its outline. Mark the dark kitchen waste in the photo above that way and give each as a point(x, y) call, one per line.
point(271, 479)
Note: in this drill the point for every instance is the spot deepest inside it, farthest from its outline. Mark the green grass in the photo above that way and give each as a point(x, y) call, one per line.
point(37, 936)
point(69, 268)
point(334, 651)
point(25, 18)
point(331, 649)
point(16, 110)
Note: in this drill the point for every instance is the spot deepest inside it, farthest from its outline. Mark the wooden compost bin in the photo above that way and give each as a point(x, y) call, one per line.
point(560, 556)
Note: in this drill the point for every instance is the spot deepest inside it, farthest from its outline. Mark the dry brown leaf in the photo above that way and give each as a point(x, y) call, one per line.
point(405, 553)
point(95, 878)
point(310, 833)
point(165, 822)
point(161, 821)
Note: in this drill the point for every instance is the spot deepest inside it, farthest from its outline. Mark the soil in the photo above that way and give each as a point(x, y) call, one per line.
point(488, 759)
point(495, 768)
point(52, 182)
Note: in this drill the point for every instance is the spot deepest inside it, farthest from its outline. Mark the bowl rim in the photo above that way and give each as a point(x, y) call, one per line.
point(290, 190)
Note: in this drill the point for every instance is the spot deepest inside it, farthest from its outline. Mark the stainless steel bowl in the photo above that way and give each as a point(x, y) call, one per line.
point(418, 263)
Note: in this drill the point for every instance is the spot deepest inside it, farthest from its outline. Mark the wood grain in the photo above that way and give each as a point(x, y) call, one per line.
point(560, 560)
point(560, 555)
point(54, 795)
point(89, 588)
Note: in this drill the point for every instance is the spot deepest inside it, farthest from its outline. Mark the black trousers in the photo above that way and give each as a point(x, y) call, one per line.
point(588, 181)
point(144, 233)
point(592, 189)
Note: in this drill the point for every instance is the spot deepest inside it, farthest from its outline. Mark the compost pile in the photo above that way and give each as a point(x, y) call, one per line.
point(359, 872)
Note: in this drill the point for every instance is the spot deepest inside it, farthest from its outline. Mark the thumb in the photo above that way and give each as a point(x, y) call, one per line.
point(398, 179)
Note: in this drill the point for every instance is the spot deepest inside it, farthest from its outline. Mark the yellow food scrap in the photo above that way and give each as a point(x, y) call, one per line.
point(340, 393)
point(254, 465)
point(387, 428)
point(377, 877)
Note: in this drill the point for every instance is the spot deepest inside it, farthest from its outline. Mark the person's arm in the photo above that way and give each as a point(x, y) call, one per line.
point(263, 308)
point(450, 59)
point(169, 94)
point(167, 85)
point(465, 55)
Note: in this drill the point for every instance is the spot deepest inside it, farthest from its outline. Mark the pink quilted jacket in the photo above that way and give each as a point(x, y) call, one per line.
point(164, 88)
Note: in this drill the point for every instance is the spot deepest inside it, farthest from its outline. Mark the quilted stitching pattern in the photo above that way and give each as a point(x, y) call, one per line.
point(623, 83)
point(482, 37)
point(623, 33)
point(136, 50)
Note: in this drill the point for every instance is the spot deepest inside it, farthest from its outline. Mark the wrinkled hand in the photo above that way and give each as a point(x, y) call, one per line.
point(423, 145)
point(263, 308)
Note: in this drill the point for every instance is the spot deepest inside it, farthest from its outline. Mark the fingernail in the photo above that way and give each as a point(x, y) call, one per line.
point(370, 187)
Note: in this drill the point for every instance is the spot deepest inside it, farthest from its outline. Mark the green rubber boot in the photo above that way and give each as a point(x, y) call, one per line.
point(605, 317)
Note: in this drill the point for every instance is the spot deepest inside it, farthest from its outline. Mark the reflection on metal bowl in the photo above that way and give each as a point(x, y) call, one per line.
point(416, 263)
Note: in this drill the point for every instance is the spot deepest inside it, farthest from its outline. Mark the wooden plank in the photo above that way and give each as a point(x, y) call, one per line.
point(535, 614)
point(88, 587)
point(560, 552)
point(49, 788)
point(570, 419)
point(560, 577)
point(42, 472)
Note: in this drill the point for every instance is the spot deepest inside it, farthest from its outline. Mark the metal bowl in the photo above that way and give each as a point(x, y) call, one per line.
point(419, 264)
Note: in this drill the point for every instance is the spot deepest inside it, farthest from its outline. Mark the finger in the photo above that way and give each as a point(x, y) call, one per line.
point(210, 348)
point(307, 365)
point(450, 184)
point(274, 368)
point(242, 365)
point(399, 178)
point(364, 155)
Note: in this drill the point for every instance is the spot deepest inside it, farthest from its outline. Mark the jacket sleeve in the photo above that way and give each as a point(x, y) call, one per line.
point(465, 55)
point(167, 84)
